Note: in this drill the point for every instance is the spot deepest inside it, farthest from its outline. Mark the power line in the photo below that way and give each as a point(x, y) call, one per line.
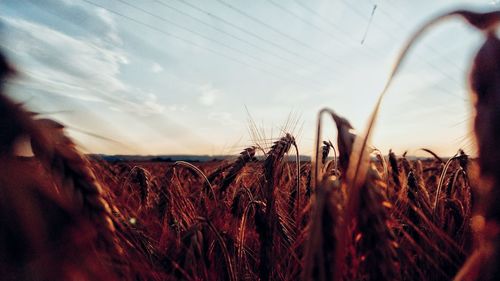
point(229, 34)
point(316, 27)
point(287, 11)
point(198, 34)
point(75, 24)
point(392, 36)
point(277, 31)
point(430, 47)
point(336, 27)
point(38, 6)
point(388, 15)
point(261, 61)
point(359, 13)
point(370, 20)
point(189, 42)
point(437, 86)
point(369, 24)
point(223, 31)
point(320, 16)
point(253, 34)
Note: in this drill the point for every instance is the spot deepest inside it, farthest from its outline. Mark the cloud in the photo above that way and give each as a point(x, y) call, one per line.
point(156, 68)
point(224, 118)
point(59, 59)
point(143, 104)
point(177, 108)
point(208, 94)
point(88, 20)
point(83, 68)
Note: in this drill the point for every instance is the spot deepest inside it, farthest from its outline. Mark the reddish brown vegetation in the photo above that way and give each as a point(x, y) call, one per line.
point(64, 216)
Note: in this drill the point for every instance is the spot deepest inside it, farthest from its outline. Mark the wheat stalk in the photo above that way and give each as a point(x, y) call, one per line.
point(271, 165)
point(247, 155)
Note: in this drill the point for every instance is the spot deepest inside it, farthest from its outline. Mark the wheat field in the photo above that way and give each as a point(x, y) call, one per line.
point(352, 213)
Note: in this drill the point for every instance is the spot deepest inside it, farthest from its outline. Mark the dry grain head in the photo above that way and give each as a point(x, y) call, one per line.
point(345, 140)
point(319, 261)
point(463, 160)
point(377, 243)
point(483, 21)
point(393, 161)
point(272, 169)
point(325, 151)
point(247, 155)
point(141, 178)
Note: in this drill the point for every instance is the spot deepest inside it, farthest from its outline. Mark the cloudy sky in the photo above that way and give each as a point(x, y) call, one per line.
point(186, 76)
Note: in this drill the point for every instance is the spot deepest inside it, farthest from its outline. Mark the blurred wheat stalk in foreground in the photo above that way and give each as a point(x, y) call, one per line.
point(358, 216)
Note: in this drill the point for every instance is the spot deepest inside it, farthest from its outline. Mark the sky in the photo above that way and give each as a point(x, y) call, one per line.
point(192, 76)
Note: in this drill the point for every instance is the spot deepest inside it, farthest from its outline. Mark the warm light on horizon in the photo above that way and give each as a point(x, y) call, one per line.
point(179, 79)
